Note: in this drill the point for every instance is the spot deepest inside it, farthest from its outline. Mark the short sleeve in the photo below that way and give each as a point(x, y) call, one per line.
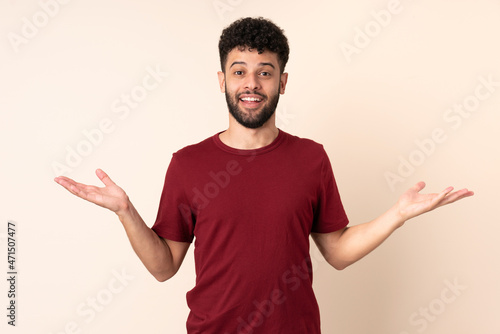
point(174, 220)
point(330, 215)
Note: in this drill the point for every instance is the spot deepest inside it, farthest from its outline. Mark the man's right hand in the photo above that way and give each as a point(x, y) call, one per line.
point(161, 257)
point(110, 197)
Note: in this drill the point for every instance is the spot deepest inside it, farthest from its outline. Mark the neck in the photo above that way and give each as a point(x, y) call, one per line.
point(242, 138)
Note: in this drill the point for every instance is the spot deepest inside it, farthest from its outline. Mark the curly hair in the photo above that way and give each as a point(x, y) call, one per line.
point(254, 33)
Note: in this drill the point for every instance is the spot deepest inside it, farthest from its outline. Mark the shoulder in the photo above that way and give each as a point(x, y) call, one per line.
point(197, 150)
point(305, 145)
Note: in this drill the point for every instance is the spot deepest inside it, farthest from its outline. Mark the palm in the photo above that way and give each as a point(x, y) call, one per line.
point(111, 196)
point(412, 203)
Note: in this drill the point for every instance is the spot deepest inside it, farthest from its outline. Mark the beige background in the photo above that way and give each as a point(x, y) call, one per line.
point(368, 110)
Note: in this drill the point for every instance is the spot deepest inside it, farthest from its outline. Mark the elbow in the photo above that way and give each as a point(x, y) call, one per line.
point(340, 264)
point(162, 276)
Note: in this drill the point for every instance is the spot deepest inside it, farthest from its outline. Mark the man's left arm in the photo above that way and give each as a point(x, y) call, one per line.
point(346, 246)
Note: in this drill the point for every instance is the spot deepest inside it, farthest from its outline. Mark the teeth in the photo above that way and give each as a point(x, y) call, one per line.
point(252, 99)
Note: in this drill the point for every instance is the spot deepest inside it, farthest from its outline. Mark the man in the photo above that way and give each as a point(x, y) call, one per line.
point(252, 195)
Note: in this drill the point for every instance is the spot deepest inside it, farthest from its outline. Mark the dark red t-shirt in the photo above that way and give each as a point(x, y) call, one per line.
point(250, 213)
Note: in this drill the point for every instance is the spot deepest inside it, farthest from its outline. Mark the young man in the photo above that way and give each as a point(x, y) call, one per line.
point(252, 195)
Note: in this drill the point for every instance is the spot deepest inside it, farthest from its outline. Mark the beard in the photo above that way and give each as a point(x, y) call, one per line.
point(252, 120)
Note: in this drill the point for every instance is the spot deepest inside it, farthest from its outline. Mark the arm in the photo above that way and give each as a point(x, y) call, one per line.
point(346, 246)
point(161, 257)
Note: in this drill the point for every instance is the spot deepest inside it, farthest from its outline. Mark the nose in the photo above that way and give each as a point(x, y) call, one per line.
point(252, 82)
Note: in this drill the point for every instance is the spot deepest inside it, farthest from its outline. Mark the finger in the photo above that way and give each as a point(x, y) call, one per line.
point(65, 182)
point(457, 195)
point(58, 179)
point(104, 177)
point(419, 186)
point(438, 200)
point(72, 188)
point(78, 189)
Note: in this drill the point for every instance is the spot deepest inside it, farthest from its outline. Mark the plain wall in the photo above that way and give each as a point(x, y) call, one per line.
point(380, 92)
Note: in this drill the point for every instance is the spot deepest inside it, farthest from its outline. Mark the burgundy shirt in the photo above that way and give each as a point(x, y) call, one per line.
point(250, 213)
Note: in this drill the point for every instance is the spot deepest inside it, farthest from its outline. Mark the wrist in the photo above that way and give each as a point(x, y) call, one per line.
point(396, 217)
point(125, 210)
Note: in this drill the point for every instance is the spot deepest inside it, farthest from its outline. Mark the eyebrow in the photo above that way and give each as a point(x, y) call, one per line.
point(243, 63)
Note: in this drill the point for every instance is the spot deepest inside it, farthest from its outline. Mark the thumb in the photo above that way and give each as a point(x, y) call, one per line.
point(104, 177)
point(419, 186)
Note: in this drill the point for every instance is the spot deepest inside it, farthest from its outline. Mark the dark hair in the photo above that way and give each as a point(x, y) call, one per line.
point(254, 33)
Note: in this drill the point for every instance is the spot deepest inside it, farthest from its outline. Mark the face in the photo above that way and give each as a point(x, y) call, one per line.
point(252, 83)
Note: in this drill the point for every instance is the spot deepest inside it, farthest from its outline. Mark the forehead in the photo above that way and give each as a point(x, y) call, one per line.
point(251, 57)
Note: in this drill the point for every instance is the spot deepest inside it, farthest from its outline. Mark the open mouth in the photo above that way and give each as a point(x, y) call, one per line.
point(251, 101)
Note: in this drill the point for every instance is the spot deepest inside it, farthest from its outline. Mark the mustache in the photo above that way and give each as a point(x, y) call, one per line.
point(251, 93)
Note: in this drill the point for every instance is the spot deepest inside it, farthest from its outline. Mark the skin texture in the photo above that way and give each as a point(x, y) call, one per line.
point(248, 71)
point(346, 246)
point(160, 256)
point(245, 81)
point(250, 74)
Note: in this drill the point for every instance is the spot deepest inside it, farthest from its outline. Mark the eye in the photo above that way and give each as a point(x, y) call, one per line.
point(265, 74)
point(238, 72)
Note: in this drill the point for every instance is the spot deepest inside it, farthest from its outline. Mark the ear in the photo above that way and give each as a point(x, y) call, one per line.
point(283, 81)
point(222, 81)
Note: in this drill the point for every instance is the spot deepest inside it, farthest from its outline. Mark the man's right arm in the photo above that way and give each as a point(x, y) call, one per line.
point(161, 257)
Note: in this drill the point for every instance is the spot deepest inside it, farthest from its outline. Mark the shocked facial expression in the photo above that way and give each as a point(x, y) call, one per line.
point(252, 83)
